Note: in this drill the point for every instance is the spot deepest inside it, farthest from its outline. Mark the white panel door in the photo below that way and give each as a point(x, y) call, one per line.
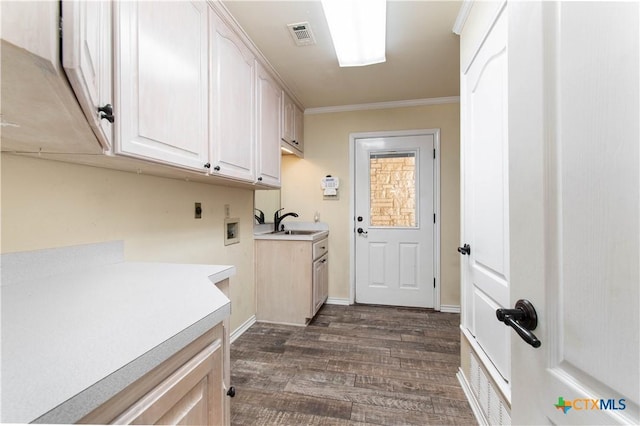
point(485, 199)
point(575, 210)
point(86, 57)
point(162, 79)
point(232, 104)
point(395, 226)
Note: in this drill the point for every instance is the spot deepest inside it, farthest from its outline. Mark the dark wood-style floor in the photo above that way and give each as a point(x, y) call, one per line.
point(352, 365)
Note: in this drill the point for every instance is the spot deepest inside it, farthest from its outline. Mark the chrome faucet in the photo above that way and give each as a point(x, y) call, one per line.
point(277, 219)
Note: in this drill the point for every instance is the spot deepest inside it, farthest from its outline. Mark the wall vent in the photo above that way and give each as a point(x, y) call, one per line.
point(302, 34)
point(493, 408)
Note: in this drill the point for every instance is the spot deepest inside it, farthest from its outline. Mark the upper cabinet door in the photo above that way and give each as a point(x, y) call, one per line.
point(86, 58)
point(288, 119)
point(292, 126)
point(232, 143)
point(269, 110)
point(161, 51)
point(299, 129)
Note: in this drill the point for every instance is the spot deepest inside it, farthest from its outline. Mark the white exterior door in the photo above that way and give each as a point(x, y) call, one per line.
point(394, 225)
point(575, 210)
point(485, 200)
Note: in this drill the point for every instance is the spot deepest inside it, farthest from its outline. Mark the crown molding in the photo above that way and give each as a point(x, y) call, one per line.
point(383, 105)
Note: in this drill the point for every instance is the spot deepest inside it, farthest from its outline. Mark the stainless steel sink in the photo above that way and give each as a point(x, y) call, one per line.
point(293, 235)
point(298, 232)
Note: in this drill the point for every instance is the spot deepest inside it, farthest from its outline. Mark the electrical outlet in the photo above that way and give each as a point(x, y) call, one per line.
point(198, 212)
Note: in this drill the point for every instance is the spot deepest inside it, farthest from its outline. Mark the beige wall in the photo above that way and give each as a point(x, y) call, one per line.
point(327, 153)
point(52, 204)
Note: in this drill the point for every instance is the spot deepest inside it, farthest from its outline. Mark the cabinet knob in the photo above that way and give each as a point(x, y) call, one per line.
point(207, 166)
point(231, 392)
point(106, 112)
point(260, 178)
point(216, 168)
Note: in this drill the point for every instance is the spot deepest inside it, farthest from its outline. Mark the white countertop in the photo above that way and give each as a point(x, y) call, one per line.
point(265, 232)
point(64, 333)
point(316, 236)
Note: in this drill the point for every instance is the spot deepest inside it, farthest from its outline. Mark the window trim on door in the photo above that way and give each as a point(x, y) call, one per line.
point(436, 203)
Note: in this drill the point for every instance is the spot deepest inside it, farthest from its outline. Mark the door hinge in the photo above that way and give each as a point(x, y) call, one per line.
point(434, 218)
point(60, 28)
point(434, 282)
point(434, 153)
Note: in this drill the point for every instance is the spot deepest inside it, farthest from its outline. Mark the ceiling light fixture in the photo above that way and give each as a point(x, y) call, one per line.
point(358, 29)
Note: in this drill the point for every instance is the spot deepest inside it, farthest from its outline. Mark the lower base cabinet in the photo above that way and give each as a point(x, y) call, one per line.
point(188, 389)
point(292, 280)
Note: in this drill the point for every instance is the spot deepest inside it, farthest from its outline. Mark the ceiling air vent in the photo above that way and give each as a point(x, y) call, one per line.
point(302, 34)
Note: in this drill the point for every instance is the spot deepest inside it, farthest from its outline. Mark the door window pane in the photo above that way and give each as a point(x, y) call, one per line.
point(393, 189)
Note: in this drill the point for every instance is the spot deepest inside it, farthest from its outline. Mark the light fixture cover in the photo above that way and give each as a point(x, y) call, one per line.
point(358, 29)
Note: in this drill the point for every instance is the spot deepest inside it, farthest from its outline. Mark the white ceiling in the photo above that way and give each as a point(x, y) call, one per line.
point(422, 52)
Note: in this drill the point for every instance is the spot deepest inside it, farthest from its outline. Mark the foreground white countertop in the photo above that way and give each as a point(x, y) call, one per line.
point(73, 339)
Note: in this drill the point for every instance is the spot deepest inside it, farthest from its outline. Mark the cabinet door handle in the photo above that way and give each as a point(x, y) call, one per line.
point(231, 392)
point(260, 179)
point(207, 166)
point(216, 168)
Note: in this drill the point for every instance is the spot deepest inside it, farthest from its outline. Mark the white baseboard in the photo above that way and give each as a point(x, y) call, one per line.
point(473, 402)
point(240, 330)
point(452, 309)
point(337, 301)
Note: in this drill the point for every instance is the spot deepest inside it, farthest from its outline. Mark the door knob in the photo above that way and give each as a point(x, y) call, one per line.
point(464, 250)
point(522, 319)
point(106, 112)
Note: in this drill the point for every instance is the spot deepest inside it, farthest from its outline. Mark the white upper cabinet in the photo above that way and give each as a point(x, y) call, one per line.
point(292, 125)
point(269, 119)
point(299, 129)
point(86, 58)
point(232, 144)
point(162, 81)
point(288, 119)
point(40, 115)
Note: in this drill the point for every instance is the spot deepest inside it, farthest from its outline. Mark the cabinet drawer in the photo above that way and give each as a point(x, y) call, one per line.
point(320, 248)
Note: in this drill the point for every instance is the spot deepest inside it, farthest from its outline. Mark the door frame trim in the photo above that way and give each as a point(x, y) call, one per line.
point(436, 203)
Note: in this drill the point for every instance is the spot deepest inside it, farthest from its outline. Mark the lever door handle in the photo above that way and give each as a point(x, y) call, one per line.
point(362, 231)
point(465, 249)
point(522, 319)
